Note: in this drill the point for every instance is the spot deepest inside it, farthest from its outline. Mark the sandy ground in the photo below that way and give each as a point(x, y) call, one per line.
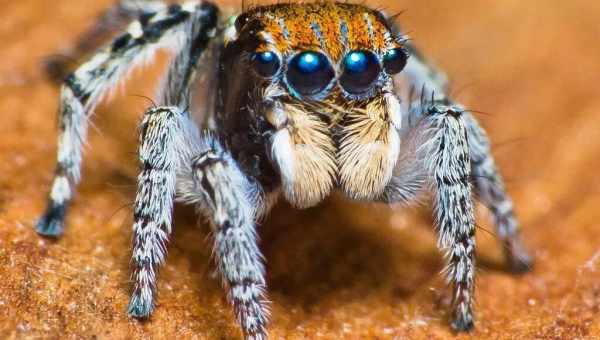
point(342, 270)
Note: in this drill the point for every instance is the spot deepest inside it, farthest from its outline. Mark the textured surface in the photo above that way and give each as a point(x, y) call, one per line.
point(342, 269)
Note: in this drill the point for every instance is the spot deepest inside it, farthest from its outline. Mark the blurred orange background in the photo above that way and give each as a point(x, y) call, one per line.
point(341, 270)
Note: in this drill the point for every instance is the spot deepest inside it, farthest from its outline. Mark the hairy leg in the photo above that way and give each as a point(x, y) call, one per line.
point(160, 144)
point(231, 202)
point(431, 84)
point(86, 86)
point(111, 21)
point(166, 140)
point(450, 166)
point(441, 160)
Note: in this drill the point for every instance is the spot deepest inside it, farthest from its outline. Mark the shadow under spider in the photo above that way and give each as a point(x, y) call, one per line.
point(311, 254)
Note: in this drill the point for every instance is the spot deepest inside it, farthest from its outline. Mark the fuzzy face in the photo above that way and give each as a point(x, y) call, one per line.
point(320, 78)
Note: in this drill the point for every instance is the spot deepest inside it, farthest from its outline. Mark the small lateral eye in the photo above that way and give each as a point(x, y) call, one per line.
point(361, 69)
point(394, 60)
point(265, 63)
point(309, 73)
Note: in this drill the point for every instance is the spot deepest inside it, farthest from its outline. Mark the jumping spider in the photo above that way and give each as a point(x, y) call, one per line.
point(295, 99)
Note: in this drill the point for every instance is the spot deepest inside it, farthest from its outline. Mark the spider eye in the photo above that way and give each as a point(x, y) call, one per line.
point(394, 60)
point(266, 63)
point(361, 69)
point(309, 73)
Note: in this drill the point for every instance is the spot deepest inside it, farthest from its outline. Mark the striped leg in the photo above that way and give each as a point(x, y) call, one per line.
point(161, 147)
point(450, 165)
point(437, 154)
point(230, 201)
point(85, 87)
point(167, 136)
point(111, 21)
point(488, 182)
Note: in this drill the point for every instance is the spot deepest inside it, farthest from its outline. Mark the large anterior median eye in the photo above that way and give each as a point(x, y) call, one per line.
point(361, 69)
point(309, 73)
point(266, 63)
point(394, 60)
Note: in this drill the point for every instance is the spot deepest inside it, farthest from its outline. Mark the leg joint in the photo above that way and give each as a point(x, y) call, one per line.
point(207, 159)
point(438, 108)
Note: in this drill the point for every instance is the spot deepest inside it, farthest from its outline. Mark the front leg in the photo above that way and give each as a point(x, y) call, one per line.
point(161, 134)
point(437, 154)
point(229, 201)
point(449, 163)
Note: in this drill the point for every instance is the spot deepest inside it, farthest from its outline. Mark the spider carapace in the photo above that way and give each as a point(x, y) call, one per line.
point(288, 99)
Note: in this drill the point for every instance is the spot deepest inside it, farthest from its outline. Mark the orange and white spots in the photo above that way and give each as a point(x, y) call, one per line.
point(333, 28)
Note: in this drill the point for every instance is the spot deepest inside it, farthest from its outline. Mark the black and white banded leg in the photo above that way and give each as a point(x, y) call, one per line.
point(449, 165)
point(166, 140)
point(230, 201)
point(432, 84)
point(84, 88)
point(109, 22)
point(161, 146)
point(438, 158)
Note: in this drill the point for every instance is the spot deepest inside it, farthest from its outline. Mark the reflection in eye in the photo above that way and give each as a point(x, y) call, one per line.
point(361, 69)
point(266, 63)
point(394, 60)
point(309, 73)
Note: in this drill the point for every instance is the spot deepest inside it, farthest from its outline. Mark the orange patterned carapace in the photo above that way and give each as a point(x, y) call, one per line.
point(333, 28)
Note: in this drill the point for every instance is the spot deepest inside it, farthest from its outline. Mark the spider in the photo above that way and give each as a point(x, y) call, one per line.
point(292, 100)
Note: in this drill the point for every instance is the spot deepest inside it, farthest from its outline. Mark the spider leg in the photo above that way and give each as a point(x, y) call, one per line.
point(450, 166)
point(85, 87)
point(489, 187)
point(166, 139)
point(111, 21)
point(161, 144)
point(231, 202)
point(442, 155)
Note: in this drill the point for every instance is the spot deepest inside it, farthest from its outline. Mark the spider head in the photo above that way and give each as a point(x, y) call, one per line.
point(322, 51)
point(320, 76)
